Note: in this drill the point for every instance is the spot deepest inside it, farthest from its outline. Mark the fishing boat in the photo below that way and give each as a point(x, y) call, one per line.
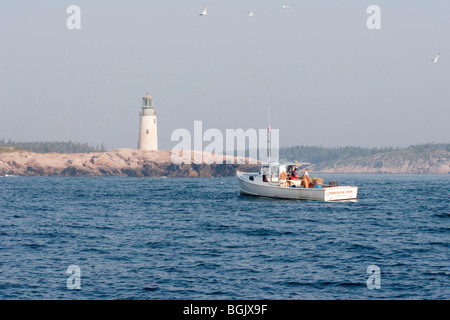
point(281, 180)
point(275, 180)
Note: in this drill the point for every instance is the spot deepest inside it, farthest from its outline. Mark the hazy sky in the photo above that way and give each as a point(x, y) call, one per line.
point(327, 78)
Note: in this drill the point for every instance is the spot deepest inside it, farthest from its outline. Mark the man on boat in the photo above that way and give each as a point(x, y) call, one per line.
point(306, 179)
point(294, 175)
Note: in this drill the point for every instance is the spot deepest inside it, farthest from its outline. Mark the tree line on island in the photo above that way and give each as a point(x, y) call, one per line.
point(321, 154)
point(50, 147)
point(312, 154)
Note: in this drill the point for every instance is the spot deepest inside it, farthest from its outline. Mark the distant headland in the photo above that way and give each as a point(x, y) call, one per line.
point(430, 158)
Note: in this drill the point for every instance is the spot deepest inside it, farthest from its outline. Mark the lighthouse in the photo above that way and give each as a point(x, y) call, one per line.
point(148, 133)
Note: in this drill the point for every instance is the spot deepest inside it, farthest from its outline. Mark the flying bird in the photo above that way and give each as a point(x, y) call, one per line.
point(436, 59)
point(251, 14)
point(204, 12)
point(285, 7)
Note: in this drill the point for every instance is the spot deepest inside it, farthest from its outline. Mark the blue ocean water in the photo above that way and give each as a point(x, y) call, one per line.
point(153, 238)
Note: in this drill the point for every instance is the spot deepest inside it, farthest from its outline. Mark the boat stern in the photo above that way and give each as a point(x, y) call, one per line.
point(341, 193)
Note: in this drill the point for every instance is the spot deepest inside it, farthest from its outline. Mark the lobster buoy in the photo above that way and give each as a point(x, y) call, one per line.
point(283, 175)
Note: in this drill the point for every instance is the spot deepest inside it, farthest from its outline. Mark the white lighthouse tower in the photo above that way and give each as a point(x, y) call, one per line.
point(148, 133)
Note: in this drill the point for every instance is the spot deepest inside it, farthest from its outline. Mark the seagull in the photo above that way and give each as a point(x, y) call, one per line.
point(436, 59)
point(251, 14)
point(285, 7)
point(204, 12)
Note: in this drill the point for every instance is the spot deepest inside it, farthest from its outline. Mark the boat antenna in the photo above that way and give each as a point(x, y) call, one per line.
point(269, 140)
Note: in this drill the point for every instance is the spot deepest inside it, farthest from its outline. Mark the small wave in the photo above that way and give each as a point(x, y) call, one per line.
point(358, 246)
point(157, 244)
point(34, 245)
point(323, 284)
point(437, 273)
point(217, 293)
point(205, 265)
point(442, 214)
point(264, 232)
point(151, 289)
point(98, 250)
point(351, 284)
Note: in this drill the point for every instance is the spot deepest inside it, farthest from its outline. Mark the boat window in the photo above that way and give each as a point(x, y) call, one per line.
point(265, 170)
point(274, 174)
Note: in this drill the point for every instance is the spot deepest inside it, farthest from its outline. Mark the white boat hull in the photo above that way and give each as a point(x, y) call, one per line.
point(274, 190)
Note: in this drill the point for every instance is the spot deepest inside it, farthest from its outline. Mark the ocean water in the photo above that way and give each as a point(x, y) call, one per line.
point(149, 238)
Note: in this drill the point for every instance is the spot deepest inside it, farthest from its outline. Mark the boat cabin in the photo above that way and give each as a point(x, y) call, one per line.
point(280, 173)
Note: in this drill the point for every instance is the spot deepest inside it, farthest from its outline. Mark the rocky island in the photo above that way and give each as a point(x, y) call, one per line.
point(119, 162)
point(141, 163)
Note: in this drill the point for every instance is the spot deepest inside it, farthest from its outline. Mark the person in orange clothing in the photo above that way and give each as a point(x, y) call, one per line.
point(306, 179)
point(294, 175)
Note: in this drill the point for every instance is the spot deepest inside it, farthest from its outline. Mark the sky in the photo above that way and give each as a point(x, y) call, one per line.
point(327, 78)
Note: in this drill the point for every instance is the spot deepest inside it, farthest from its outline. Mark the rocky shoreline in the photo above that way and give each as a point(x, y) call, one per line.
point(119, 162)
point(140, 163)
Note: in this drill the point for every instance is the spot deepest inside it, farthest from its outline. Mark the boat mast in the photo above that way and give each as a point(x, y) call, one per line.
point(269, 149)
point(269, 141)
